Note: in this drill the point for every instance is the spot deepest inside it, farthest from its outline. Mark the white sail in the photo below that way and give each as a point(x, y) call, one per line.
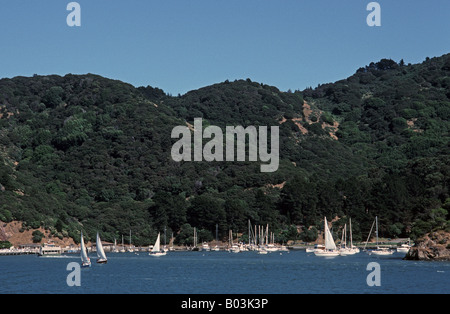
point(330, 247)
point(329, 242)
point(84, 257)
point(100, 251)
point(157, 246)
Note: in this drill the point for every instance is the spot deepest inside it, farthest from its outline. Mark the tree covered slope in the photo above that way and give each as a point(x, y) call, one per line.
point(83, 152)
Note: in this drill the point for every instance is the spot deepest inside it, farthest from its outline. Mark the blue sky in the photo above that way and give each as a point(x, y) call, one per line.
point(181, 45)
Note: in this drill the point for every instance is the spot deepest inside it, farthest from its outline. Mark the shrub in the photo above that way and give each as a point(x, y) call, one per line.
point(5, 244)
point(37, 236)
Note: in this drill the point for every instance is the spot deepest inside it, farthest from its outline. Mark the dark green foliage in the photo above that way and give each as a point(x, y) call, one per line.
point(37, 236)
point(52, 97)
point(205, 211)
point(309, 235)
point(5, 245)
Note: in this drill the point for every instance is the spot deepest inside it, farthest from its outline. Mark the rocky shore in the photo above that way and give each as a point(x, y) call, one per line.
point(434, 246)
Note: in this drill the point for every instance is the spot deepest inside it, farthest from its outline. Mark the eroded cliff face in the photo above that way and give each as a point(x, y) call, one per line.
point(432, 246)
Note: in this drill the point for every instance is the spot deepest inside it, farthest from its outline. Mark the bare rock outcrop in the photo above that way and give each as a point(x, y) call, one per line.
point(433, 246)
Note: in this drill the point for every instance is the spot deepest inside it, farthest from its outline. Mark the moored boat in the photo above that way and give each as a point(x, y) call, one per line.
point(404, 248)
point(382, 251)
point(156, 251)
point(344, 250)
point(330, 249)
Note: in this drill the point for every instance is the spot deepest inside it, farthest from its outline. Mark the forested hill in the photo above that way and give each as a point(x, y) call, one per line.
point(83, 152)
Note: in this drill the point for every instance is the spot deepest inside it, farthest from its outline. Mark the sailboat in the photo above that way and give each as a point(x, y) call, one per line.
point(353, 249)
point(330, 247)
point(122, 250)
point(343, 249)
point(85, 260)
point(171, 248)
point(233, 247)
point(115, 250)
point(100, 252)
point(348, 250)
point(156, 251)
point(263, 247)
point(379, 251)
point(206, 247)
point(216, 247)
point(130, 248)
point(195, 248)
point(404, 248)
point(165, 249)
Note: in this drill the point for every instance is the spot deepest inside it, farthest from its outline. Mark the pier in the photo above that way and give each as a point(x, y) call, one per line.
point(5, 252)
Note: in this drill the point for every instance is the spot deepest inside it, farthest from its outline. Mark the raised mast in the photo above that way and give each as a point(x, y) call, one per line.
point(376, 223)
point(351, 238)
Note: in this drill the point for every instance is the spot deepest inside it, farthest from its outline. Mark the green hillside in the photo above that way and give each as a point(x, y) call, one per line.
point(83, 152)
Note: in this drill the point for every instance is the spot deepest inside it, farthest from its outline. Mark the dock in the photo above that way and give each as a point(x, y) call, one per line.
point(5, 252)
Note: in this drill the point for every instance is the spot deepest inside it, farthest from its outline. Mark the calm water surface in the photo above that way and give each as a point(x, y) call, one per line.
point(294, 272)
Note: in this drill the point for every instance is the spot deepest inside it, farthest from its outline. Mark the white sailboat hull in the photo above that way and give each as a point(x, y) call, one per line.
point(348, 251)
point(157, 253)
point(326, 253)
point(86, 264)
point(234, 249)
point(403, 249)
point(381, 252)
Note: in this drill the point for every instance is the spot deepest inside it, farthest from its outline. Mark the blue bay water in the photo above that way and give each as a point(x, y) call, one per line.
point(294, 272)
